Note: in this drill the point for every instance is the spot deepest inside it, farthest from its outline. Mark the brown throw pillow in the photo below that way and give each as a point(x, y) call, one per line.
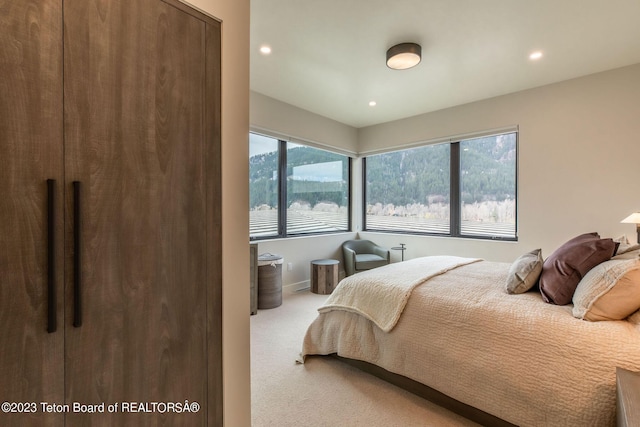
point(564, 269)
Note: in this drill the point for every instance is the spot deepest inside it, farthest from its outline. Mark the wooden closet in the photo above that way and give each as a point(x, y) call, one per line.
point(110, 225)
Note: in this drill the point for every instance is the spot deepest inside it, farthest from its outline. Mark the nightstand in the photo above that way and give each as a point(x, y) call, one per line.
point(627, 398)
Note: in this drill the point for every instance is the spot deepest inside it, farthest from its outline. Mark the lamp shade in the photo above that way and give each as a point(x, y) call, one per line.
point(404, 55)
point(634, 218)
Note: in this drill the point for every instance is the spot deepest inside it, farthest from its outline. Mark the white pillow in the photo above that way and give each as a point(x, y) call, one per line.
point(630, 254)
point(524, 272)
point(609, 291)
point(625, 246)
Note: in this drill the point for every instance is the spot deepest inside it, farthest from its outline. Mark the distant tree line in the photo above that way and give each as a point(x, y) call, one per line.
point(415, 176)
point(263, 179)
point(422, 175)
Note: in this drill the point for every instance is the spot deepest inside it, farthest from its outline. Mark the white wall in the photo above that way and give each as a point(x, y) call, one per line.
point(579, 151)
point(271, 115)
point(234, 15)
point(299, 251)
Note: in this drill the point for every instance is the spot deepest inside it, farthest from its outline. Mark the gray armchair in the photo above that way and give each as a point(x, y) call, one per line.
point(360, 255)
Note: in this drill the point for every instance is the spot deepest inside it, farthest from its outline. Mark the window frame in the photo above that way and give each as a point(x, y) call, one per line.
point(282, 232)
point(455, 211)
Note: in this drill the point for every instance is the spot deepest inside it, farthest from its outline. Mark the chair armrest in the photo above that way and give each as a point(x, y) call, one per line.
point(382, 252)
point(349, 261)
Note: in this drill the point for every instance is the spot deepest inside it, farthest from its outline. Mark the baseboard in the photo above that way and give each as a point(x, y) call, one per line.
point(305, 285)
point(291, 288)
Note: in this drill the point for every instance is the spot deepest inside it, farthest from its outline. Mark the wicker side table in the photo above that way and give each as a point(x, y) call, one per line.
point(269, 281)
point(324, 275)
point(253, 277)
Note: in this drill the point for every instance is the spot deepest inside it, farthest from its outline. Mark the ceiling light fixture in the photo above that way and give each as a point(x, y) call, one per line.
point(265, 50)
point(372, 103)
point(403, 56)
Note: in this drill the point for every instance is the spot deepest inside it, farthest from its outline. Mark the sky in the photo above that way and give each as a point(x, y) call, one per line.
point(259, 144)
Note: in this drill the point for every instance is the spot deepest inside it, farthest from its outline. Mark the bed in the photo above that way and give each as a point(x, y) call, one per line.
point(455, 330)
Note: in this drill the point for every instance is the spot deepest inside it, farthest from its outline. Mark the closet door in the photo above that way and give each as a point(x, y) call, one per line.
point(31, 329)
point(135, 135)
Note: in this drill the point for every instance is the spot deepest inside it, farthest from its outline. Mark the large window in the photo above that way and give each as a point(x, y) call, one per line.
point(296, 189)
point(409, 190)
point(488, 186)
point(263, 185)
point(463, 188)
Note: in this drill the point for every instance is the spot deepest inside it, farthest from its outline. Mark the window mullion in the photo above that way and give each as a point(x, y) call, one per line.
point(365, 196)
point(282, 188)
point(455, 217)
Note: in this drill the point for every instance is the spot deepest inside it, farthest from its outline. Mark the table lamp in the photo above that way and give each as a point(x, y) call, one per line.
point(634, 218)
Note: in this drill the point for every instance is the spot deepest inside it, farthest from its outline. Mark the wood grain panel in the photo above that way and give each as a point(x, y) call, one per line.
point(30, 153)
point(135, 139)
point(324, 276)
point(213, 146)
point(627, 398)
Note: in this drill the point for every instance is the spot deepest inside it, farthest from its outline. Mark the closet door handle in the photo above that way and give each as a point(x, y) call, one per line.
point(52, 306)
point(77, 250)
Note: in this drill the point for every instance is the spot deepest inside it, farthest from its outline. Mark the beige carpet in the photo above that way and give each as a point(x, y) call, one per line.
point(323, 391)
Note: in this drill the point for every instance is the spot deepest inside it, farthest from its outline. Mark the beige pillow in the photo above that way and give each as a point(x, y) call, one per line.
point(609, 291)
point(625, 247)
point(524, 272)
point(632, 254)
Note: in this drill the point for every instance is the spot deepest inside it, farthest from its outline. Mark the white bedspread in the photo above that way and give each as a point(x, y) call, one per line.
point(381, 294)
point(513, 356)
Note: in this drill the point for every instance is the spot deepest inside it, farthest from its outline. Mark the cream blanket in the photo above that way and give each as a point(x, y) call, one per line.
point(380, 295)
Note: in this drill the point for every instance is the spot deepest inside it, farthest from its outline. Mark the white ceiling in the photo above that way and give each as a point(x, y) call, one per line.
point(328, 56)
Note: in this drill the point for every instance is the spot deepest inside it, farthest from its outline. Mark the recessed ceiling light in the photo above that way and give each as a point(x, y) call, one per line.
point(535, 55)
point(265, 50)
point(372, 103)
